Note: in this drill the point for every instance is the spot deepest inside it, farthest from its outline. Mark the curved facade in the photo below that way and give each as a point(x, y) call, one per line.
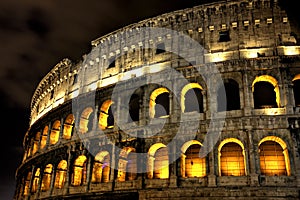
point(254, 46)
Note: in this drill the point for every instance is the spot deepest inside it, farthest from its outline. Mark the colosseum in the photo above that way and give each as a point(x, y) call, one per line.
point(199, 103)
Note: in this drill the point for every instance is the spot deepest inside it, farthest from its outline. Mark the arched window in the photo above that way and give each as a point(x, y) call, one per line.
point(79, 171)
point(36, 180)
point(192, 98)
point(54, 135)
point(46, 181)
point(274, 158)
point(158, 161)
point(127, 166)
point(86, 120)
point(232, 96)
point(159, 103)
point(134, 108)
point(296, 88)
point(101, 168)
point(36, 140)
point(232, 158)
point(44, 137)
point(265, 92)
point(106, 118)
point(194, 166)
point(68, 127)
point(61, 173)
point(26, 184)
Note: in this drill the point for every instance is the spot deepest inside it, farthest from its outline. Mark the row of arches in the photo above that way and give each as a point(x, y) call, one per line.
point(273, 161)
point(192, 100)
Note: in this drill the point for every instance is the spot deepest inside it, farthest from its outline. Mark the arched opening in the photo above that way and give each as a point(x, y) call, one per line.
point(134, 108)
point(127, 166)
point(265, 92)
point(86, 120)
point(296, 89)
point(274, 158)
point(36, 141)
point(46, 181)
point(106, 118)
point(192, 98)
point(131, 168)
point(79, 171)
point(191, 163)
point(44, 137)
point(68, 126)
point(27, 184)
point(54, 135)
point(61, 173)
point(159, 103)
point(101, 168)
point(232, 158)
point(232, 96)
point(36, 180)
point(158, 161)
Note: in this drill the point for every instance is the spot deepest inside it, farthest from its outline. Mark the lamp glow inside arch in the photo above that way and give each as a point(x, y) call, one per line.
point(284, 148)
point(226, 141)
point(153, 97)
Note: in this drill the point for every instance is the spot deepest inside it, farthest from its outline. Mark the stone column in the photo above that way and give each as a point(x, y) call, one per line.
point(247, 91)
point(61, 129)
point(89, 172)
point(52, 180)
point(212, 176)
point(95, 119)
point(252, 162)
point(69, 170)
point(48, 134)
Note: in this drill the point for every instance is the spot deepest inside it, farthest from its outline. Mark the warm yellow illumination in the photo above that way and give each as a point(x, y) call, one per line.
point(61, 173)
point(68, 126)
point(232, 161)
point(79, 173)
point(54, 135)
point(274, 159)
point(47, 178)
point(44, 137)
point(122, 165)
point(158, 161)
point(191, 163)
point(36, 180)
point(104, 115)
point(85, 120)
point(101, 168)
point(185, 89)
point(291, 50)
point(297, 77)
point(27, 184)
point(271, 80)
point(35, 146)
point(153, 97)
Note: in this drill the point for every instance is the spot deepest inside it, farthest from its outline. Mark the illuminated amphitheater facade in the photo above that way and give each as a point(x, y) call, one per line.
point(254, 46)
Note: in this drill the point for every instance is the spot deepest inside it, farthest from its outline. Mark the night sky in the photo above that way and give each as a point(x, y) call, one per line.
point(34, 37)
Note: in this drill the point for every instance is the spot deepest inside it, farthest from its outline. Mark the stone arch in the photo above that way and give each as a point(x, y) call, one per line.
point(54, 134)
point(86, 120)
point(269, 86)
point(68, 126)
point(101, 167)
point(106, 118)
point(127, 166)
point(79, 171)
point(192, 98)
point(159, 103)
point(191, 164)
point(44, 137)
point(274, 157)
point(296, 89)
point(158, 161)
point(231, 158)
point(47, 176)
point(36, 180)
point(232, 93)
point(61, 173)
